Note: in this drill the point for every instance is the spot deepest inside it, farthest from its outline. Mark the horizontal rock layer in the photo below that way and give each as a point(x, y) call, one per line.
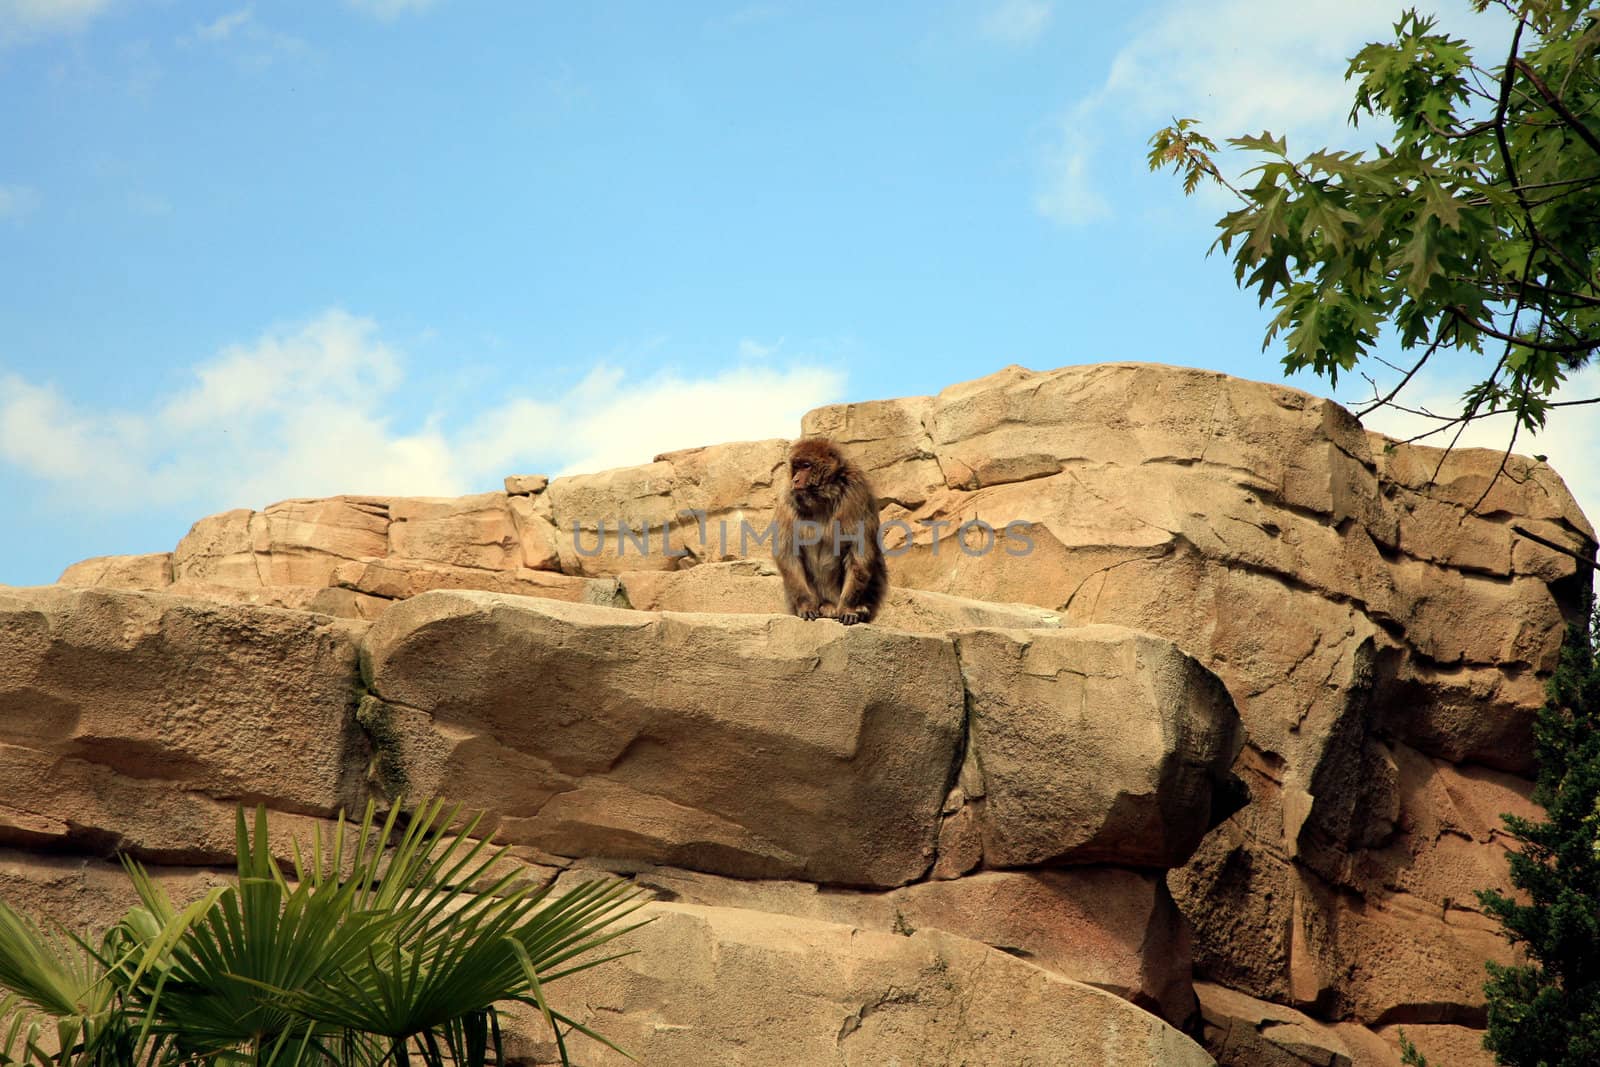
point(1108, 927)
point(756, 746)
point(764, 746)
point(137, 721)
point(708, 981)
point(731, 986)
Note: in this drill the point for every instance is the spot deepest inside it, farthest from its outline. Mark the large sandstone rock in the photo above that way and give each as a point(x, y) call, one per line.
point(1457, 1046)
point(763, 746)
point(1411, 949)
point(150, 571)
point(296, 542)
point(1094, 744)
point(735, 987)
point(698, 505)
point(1109, 927)
point(471, 531)
point(400, 579)
point(349, 556)
point(1347, 603)
point(138, 720)
point(91, 895)
point(1241, 1031)
point(742, 587)
point(756, 746)
point(1415, 950)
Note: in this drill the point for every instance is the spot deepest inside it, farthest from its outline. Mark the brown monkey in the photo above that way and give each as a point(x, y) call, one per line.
point(826, 542)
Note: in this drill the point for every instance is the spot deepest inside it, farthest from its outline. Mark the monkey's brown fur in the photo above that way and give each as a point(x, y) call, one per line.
point(826, 542)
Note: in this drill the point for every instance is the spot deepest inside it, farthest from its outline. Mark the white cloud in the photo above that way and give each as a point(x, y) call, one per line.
point(333, 359)
point(1016, 22)
point(1067, 195)
point(41, 432)
point(607, 421)
point(619, 424)
point(1242, 65)
point(1239, 66)
point(252, 43)
point(390, 9)
point(305, 411)
point(750, 348)
point(17, 201)
point(1570, 438)
point(222, 28)
point(25, 20)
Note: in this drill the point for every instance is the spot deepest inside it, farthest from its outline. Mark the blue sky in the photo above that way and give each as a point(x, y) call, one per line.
point(251, 251)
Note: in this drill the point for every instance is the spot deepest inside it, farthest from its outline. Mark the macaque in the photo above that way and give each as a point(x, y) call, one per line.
point(826, 542)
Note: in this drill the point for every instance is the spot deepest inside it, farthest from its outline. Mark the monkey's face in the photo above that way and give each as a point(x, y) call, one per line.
point(813, 473)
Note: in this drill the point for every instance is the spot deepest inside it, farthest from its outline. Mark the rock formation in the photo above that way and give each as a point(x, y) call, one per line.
point(1175, 664)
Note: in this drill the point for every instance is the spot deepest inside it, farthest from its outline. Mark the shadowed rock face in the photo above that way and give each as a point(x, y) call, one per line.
point(1383, 617)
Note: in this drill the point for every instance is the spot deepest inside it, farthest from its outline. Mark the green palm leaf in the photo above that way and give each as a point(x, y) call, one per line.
point(394, 938)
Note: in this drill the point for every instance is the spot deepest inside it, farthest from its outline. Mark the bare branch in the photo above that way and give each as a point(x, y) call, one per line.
point(1409, 375)
point(1424, 435)
point(1554, 547)
point(1504, 457)
point(1470, 414)
point(1450, 420)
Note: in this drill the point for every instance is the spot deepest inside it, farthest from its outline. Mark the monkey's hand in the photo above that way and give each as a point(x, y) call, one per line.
point(809, 609)
point(847, 616)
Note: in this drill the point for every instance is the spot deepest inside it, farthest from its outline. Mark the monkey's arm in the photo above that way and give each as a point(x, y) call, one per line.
point(863, 563)
point(852, 607)
point(797, 592)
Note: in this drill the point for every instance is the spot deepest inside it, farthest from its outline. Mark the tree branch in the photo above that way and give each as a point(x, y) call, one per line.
point(1543, 346)
point(1508, 77)
point(1559, 106)
point(1587, 561)
point(1482, 127)
point(1447, 421)
point(1504, 456)
point(1376, 404)
point(1470, 414)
